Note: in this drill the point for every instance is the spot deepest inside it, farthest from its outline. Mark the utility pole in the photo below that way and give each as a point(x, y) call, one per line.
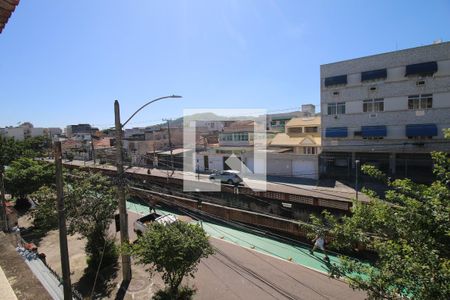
point(93, 150)
point(170, 146)
point(356, 177)
point(63, 248)
point(124, 239)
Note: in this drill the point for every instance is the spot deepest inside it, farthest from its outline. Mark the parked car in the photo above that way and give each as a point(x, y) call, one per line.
point(227, 176)
point(141, 224)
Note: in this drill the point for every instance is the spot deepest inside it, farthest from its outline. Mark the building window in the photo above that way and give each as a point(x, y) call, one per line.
point(420, 101)
point(295, 130)
point(340, 108)
point(240, 136)
point(373, 105)
point(336, 108)
point(336, 80)
point(311, 129)
point(309, 150)
point(331, 108)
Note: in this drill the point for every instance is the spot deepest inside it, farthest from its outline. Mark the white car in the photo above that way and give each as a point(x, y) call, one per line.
point(140, 225)
point(226, 176)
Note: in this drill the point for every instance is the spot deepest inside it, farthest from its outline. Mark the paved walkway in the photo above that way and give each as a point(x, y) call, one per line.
point(6, 291)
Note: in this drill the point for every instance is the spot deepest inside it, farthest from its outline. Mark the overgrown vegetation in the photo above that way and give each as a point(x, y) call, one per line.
point(174, 250)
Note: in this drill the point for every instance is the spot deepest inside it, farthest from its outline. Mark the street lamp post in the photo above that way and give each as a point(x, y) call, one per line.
point(124, 238)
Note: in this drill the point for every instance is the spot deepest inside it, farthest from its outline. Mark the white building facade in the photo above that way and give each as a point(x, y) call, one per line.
point(387, 109)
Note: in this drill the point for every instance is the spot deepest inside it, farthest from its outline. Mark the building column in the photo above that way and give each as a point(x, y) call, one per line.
point(353, 160)
point(392, 163)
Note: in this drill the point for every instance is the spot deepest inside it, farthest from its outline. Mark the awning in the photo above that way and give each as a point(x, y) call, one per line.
point(335, 80)
point(374, 74)
point(421, 130)
point(423, 69)
point(373, 131)
point(336, 132)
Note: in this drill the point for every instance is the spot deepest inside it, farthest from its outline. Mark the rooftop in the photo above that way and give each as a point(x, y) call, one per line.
point(6, 9)
point(304, 121)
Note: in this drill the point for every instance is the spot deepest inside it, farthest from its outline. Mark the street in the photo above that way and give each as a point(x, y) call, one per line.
point(236, 272)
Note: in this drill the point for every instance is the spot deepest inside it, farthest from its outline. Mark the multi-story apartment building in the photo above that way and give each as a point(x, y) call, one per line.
point(72, 130)
point(387, 109)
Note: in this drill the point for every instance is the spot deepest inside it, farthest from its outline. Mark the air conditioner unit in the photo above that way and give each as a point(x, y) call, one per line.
point(372, 115)
point(420, 82)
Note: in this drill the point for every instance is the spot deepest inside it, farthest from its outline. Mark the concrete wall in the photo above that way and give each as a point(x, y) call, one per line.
point(36, 131)
point(17, 133)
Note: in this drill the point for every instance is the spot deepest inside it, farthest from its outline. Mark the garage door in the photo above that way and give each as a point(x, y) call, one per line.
point(280, 167)
point(307, 169)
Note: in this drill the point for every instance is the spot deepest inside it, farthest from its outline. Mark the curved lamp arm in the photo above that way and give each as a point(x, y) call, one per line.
point(148, 103)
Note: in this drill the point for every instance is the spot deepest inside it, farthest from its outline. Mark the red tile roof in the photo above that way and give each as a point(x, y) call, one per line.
point(6, 9)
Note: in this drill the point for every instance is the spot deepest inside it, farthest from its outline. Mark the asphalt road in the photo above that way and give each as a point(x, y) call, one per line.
point(234, 272)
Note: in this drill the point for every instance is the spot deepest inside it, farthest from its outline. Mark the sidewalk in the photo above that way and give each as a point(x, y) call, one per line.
point(6, 291)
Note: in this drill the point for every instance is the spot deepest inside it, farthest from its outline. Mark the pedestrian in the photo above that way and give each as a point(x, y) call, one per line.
point(236, 187)
point(319, 242)
point(197, 170)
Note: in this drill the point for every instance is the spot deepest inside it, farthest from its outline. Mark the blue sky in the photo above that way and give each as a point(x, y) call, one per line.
point(64, 62)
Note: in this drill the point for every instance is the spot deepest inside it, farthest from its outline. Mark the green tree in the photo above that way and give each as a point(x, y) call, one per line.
point(91, 203)
point(173, 250)
point(25, 176)
point(36, 146)
point(9, 150)
point(45, 215)
point(410, 232)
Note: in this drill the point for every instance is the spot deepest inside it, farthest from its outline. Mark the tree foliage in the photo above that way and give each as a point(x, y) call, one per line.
point(9, 150)
point(91, 203)
point(45, 215)
point(36, 146)
point(25, 176)
point(173, 250)
point(410, 232)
